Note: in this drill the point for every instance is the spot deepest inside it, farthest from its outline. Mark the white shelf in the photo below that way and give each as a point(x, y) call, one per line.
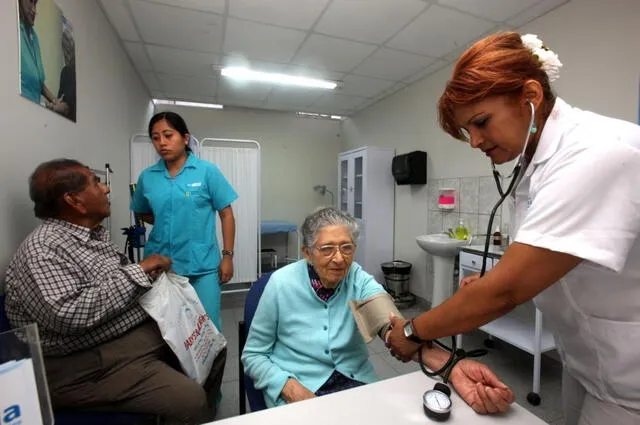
point(519, 334)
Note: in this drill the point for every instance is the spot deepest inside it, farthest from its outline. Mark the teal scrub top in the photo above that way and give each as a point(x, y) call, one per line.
point(184, 209)
point(31, 68)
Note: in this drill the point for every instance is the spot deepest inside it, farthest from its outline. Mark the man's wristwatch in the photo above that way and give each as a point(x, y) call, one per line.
point(410, 334)
point(227, 252)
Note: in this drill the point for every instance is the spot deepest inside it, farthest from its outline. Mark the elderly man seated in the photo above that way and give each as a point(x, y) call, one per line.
point(308, 334)
point(102, 351)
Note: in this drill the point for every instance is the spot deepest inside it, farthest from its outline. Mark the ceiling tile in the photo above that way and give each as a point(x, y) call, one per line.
point(151, 81)
point(435, 66)
point(176, 27)
point(439, 31)
point(214, 6)
point(320, 51)
point(261, 42)
point(337, 102)
point(493, 10)
point(183, 62)
point(240, 90)
point(191, 97)
point(263, 66)
point(299, 14)
point(372, 21)
point(290, 97)
point(535, 11)
point(392, 64)
point(138, 56)
point(364, 86)
point(195, 86)
point(302, 71)
point(120, 18)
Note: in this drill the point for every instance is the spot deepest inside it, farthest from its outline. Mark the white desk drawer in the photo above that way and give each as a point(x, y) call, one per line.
point(474, 261)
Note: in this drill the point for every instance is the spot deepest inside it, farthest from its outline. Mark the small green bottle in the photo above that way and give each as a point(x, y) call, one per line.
point(461, 231)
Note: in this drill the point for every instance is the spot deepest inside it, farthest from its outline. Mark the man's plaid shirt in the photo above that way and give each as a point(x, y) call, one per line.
point(75, 285)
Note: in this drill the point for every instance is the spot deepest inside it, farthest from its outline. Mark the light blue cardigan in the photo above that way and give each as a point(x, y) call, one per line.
point(294, 334)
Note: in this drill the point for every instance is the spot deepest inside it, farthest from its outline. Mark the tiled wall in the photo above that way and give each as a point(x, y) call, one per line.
point(475, 197)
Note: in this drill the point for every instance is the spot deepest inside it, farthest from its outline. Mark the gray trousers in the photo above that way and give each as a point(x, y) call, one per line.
point(581, 408)
point(135, 373)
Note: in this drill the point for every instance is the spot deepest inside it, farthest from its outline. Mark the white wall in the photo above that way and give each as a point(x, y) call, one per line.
point(112, 104)
point(297, 153)
point(597, 42)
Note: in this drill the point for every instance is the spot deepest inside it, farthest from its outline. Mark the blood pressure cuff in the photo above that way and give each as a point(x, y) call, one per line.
point(372, 315)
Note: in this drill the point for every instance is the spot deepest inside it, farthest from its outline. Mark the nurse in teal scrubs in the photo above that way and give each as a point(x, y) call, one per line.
point(180, 196)
point(31, 68)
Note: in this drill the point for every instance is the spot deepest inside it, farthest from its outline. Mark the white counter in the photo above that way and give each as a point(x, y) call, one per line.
point(396, 401)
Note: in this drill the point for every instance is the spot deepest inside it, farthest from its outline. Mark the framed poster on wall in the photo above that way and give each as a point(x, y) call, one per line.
point(47, 56)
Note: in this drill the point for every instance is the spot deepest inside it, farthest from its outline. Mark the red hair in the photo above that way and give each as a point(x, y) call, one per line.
point(496, 65)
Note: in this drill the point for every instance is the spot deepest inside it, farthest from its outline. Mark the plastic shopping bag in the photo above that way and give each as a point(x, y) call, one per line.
point(185, 326)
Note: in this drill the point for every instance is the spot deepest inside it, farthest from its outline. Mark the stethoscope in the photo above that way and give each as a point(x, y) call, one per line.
point(437, 402)
point(515, 175)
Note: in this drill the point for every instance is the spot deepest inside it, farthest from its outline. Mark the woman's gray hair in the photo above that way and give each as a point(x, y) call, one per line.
point(327, 216)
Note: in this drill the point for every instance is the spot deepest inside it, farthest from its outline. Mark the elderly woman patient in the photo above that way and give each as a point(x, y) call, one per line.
point(304, 340)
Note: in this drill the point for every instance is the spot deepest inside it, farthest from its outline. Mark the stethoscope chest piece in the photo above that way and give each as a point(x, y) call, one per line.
point(437, 402)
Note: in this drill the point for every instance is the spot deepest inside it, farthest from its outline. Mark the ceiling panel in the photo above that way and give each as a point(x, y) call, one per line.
point(120, 18)
point(364, 86)
point(372, 48)
point(302, 71)
point(435, 66)
point(337, 103)
point(494, 10)
point(138, 56)
point(261, 42)
point(183, 62)
point(233, 89)
point(392, 64)
point(299, 14)
point(296, 97)
point(383, 18)
point(151, 81)
point(176, 27)
point(538, 10)
point(320, 51)
point(195, 86)
point(215, 6)
point(241, 61)
point(439, 31)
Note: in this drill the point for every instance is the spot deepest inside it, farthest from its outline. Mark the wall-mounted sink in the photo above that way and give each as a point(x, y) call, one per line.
point(444, 250)
point(440, 244)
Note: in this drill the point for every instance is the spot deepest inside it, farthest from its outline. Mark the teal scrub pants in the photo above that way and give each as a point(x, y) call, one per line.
point(207, 287)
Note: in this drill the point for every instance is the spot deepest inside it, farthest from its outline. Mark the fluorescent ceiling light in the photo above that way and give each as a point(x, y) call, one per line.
point(246, 74)
point(183, 103)
point(316, 115)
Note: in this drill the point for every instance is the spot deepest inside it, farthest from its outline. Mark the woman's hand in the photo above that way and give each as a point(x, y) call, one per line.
point(480, 388)
point(294, 391)
point(225, 270)
point(469, 279)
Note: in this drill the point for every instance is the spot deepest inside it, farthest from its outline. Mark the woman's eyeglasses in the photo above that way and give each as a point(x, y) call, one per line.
point(328, 251)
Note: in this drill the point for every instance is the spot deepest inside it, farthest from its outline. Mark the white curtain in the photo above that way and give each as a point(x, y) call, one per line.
point(239, 162)
point(143, 155)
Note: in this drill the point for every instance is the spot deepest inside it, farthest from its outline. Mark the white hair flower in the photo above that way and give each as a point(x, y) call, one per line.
point(548, 59)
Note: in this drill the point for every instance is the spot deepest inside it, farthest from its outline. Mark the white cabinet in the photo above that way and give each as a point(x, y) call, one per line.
point(366, 191)
point(518, 327)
